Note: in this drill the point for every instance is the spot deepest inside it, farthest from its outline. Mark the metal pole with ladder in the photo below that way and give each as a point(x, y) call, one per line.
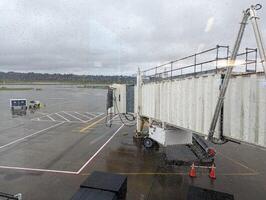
point(247, 14)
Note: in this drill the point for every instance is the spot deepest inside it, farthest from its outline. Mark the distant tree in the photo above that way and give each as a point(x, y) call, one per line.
point(72, 78)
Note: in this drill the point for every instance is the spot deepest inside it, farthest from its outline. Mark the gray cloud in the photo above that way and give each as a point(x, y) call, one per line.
point(113, 37)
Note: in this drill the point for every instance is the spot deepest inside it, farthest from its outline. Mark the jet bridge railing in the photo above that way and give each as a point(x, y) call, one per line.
point(210, 60)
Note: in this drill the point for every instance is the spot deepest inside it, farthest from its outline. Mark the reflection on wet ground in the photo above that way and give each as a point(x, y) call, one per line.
point(17, 113)
point(149, 177)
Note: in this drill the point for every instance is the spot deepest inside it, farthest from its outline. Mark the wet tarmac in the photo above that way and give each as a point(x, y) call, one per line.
point(49, 153)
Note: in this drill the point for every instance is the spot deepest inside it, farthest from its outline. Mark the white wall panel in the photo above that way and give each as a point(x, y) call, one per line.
point(245, 109)
point(190, 103)
point(186, 103)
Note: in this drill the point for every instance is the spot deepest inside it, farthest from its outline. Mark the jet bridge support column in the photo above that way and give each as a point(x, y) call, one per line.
point(139, 102)
point(258, 35)
point(250, 13)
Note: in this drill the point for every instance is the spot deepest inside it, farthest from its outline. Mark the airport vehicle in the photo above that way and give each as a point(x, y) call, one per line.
point(18, 104)
point(34, 104)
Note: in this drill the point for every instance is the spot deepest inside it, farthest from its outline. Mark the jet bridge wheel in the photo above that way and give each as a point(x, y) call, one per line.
point(148, 142)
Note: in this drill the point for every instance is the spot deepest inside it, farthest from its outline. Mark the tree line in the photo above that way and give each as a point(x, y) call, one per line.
point(45, 77)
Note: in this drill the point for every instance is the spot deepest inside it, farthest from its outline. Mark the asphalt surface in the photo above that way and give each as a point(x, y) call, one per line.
point(49, 153)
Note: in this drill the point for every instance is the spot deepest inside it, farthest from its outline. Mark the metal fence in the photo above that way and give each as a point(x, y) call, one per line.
point(210, 60)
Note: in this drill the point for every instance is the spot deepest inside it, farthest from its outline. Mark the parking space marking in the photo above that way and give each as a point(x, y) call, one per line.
point(62, 117)
point(38, 170)
point(93, 115)
point(60, 171)
point(50, 117)
point(73, 116)
point(98, 151)
point(44, 120)
point(83, 115)
point(23, 138)
point(42, 113)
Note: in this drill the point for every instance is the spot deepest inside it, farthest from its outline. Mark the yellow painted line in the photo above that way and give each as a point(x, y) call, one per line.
point(91, 125)
point(177, 173)
point(238, 174)
point(238, 163)
point(155, 173)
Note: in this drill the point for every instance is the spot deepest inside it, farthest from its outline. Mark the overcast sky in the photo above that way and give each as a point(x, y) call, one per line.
point(114, 36)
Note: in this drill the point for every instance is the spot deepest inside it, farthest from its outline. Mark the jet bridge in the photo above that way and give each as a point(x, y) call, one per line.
point(189, 94)
point(182, 100)
point(193, 96)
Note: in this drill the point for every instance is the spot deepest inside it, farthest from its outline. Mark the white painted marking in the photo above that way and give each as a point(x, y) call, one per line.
point(93, 115)
point(42, 113)
point(74, 116)
point(62, 117)
point(98, 151)
point(38, 170)
point(50, 117)
point(67, 120)
point(83, 115)
point(58, 171)
point(93, 118)
point(99, 113)
point(18, 140)
point(43, 120)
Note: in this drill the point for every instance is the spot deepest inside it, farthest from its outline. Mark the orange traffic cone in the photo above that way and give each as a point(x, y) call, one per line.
point(192, 172)
point(212, 174)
